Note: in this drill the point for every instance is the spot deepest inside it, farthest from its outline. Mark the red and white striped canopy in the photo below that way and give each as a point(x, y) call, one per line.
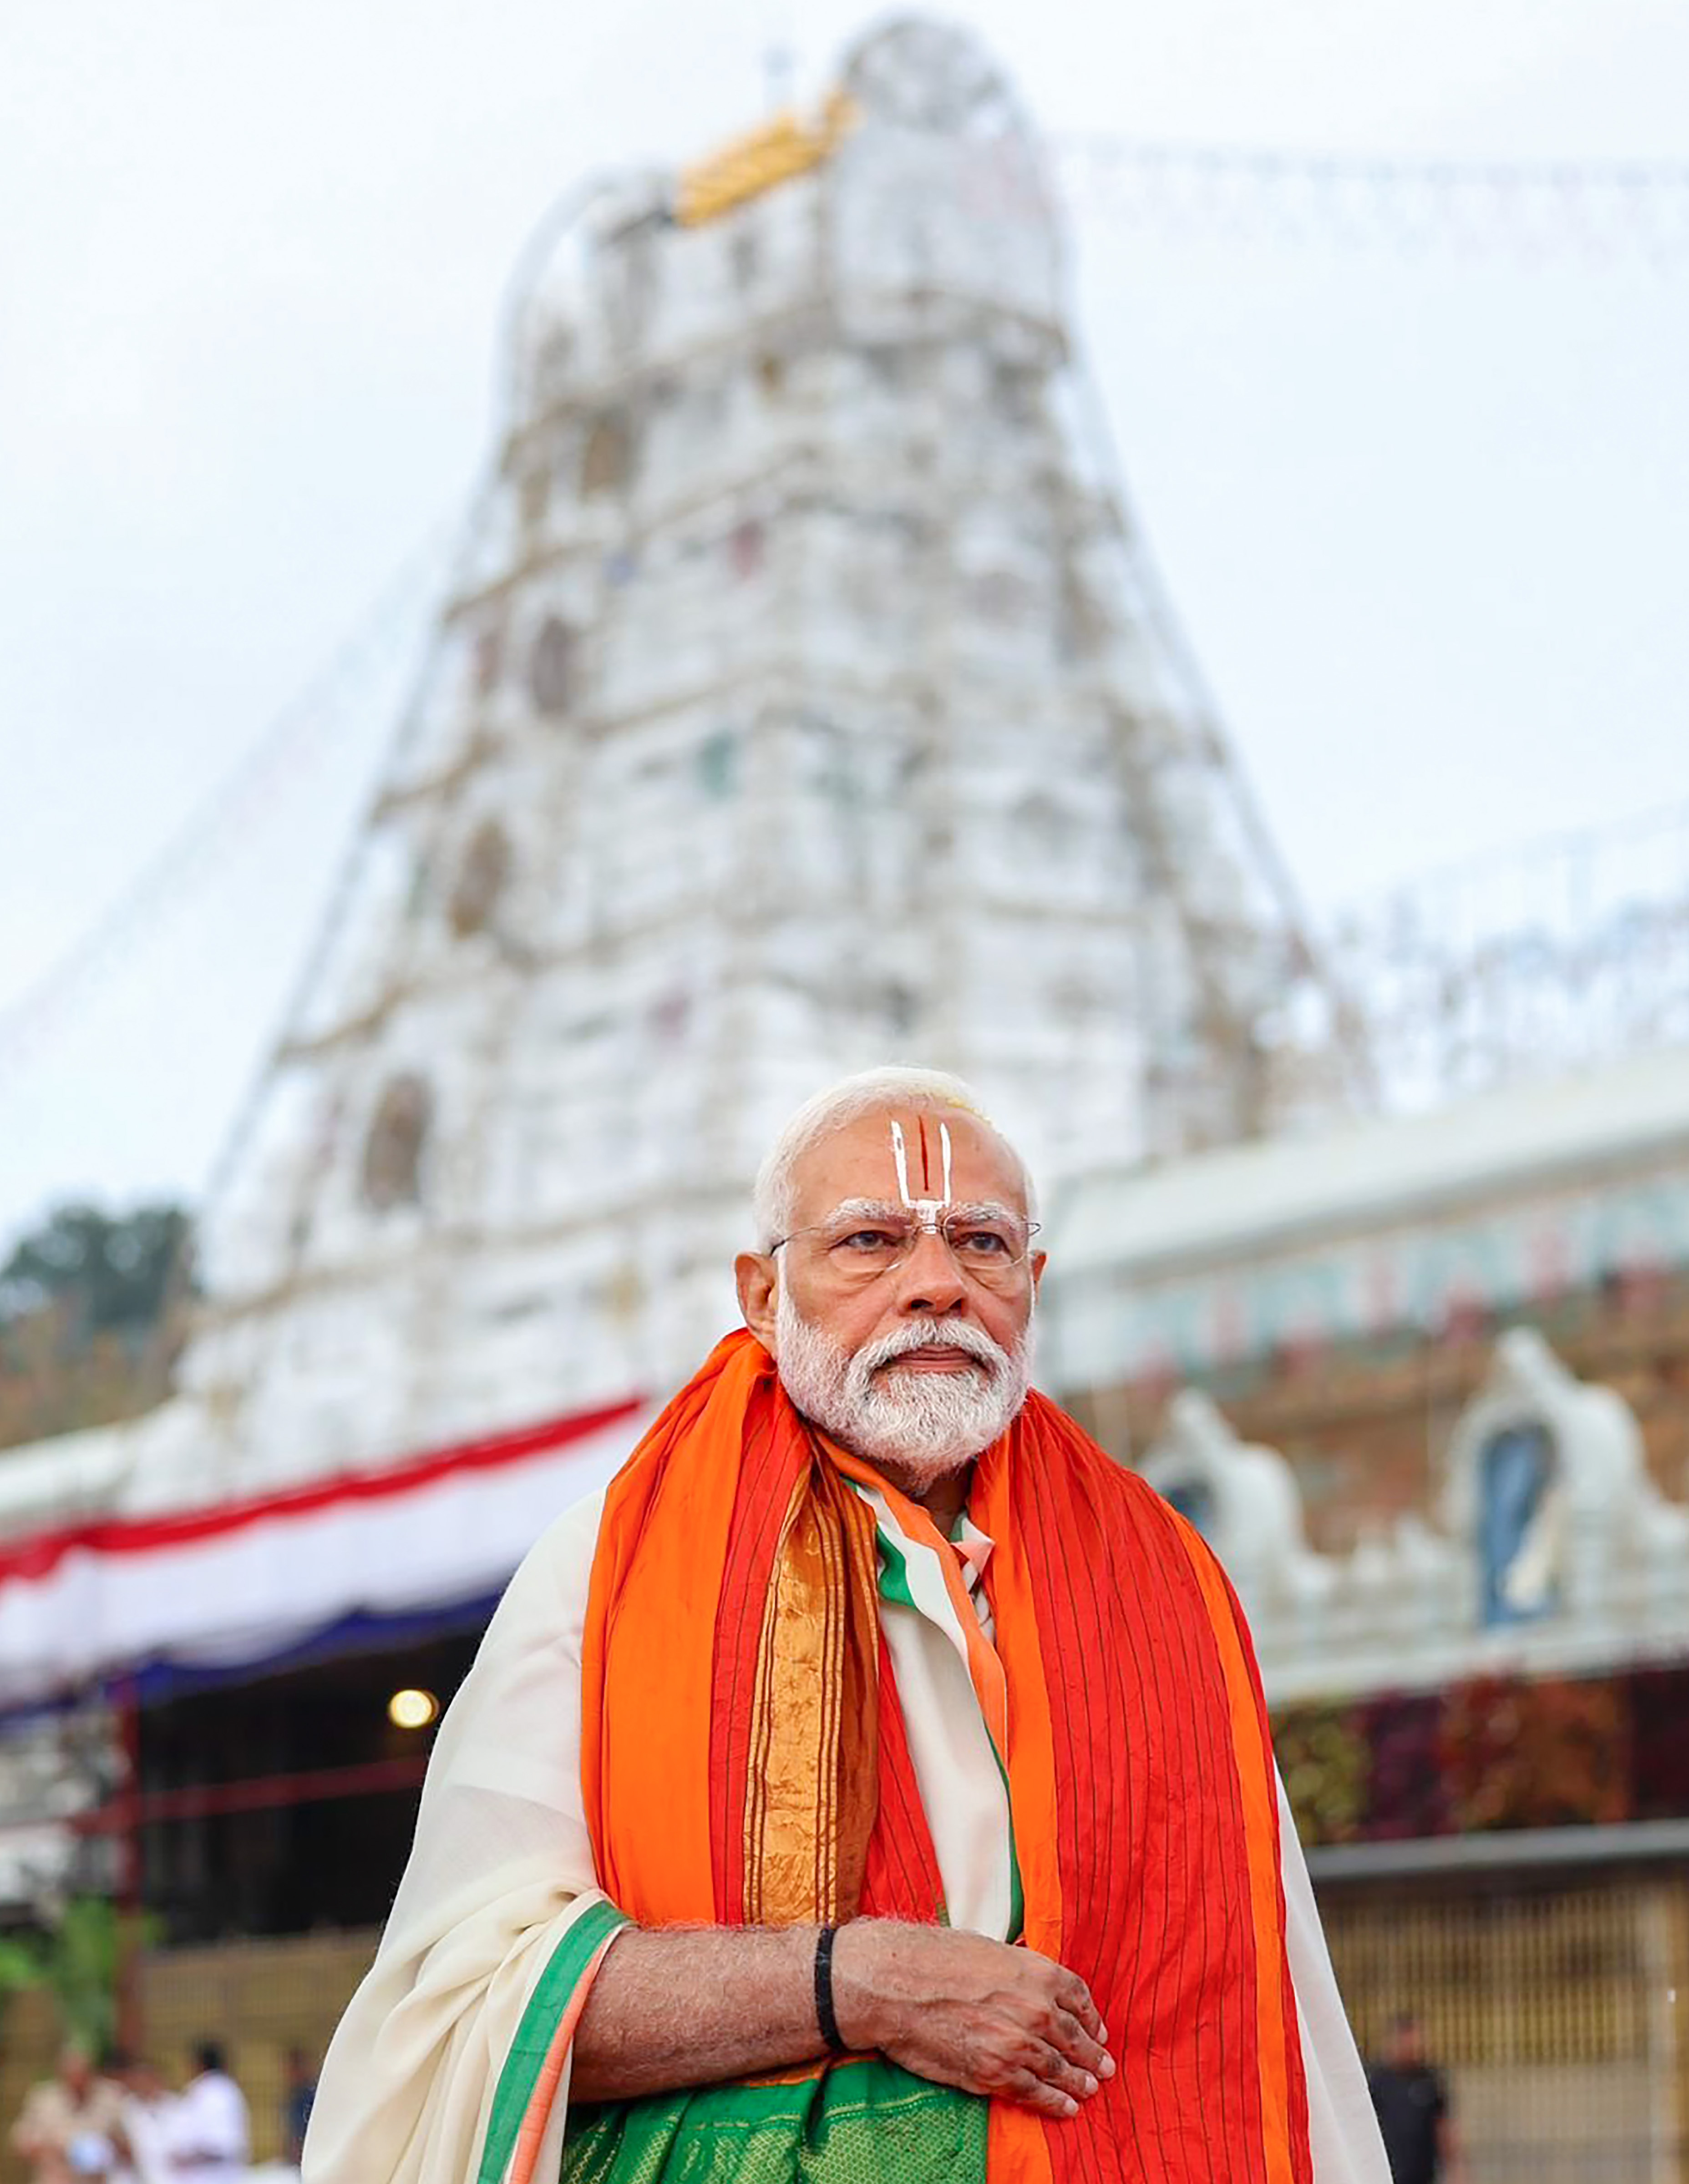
point(241, 1582)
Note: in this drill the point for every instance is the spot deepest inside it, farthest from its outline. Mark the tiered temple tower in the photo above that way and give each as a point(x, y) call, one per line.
point(805, 702)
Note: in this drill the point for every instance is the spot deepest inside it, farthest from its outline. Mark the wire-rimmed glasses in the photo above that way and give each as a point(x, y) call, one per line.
point(989, 1243)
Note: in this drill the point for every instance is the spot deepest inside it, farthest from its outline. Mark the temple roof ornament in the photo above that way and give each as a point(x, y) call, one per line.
point(1551, 1549)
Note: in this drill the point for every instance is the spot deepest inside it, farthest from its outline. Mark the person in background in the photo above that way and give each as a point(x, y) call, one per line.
point(70, 2124)
point(209, 2131)
point(1413, 2109)
point(149, 2112)
point(296, 2104)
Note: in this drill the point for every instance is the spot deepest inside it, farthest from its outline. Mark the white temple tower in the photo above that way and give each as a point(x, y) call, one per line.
point(804, 704)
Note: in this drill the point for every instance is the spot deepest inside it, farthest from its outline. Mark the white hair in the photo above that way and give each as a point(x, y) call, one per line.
point(870, 1092)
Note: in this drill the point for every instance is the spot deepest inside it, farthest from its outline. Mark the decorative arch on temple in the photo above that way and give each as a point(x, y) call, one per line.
point(1519, 1497)
point(1547, 1489)
point(397, 1136)
point(607, 457)
point(483, 874)
point(551, 667)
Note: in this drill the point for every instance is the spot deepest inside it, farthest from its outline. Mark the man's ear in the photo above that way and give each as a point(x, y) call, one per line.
point(1040, 1260)
point(758, 1294)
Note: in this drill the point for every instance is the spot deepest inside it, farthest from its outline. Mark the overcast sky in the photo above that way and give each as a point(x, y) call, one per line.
point(1424, 513)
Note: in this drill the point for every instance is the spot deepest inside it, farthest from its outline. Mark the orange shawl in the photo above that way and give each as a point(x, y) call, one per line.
point(743, 1759)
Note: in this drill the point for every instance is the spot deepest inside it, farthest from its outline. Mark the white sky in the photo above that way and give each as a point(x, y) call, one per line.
point(1424, 514)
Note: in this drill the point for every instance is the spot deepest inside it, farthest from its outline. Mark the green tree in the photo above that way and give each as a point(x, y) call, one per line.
point(19, 1967)
point(80, 1958)
point(115, 1273)
point(92, 1308)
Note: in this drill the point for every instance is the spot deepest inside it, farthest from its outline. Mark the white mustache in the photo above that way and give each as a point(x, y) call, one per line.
point(948, 1334)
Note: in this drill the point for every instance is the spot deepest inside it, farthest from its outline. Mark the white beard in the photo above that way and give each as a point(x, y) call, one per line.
point(921, 1426)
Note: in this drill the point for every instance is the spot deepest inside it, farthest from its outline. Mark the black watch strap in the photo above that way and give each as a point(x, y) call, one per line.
point(824, 2014)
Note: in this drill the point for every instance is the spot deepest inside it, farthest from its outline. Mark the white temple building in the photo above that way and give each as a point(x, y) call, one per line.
point(1546, 1544)
point(804, 701)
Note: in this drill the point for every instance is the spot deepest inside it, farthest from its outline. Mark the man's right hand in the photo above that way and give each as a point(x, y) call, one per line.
point(971, 2013)
point(694, 2006)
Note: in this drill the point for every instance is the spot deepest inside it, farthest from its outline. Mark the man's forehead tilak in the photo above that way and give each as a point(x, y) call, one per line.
point(923, 1167)
point(926, 1205)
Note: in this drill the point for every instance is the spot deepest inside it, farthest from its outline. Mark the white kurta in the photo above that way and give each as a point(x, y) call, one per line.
point(206, 2132)
point(147, 2125)
point(502, 1865)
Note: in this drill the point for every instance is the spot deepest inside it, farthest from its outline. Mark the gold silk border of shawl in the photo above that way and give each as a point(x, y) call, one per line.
point(810, 1795)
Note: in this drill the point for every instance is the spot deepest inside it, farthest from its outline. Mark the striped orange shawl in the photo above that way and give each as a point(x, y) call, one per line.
point(743, 1758)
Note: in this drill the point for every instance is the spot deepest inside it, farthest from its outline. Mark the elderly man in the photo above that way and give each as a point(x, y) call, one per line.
point(71, 2125)
point(873, 1782)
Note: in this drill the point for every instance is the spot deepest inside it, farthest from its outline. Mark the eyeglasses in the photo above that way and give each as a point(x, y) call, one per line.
point(988, 1247)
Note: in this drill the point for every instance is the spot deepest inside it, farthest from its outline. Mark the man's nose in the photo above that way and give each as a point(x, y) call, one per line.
point(929, 1280)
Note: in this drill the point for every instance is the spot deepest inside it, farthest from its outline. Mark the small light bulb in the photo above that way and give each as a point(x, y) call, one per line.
point(412, 1709)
